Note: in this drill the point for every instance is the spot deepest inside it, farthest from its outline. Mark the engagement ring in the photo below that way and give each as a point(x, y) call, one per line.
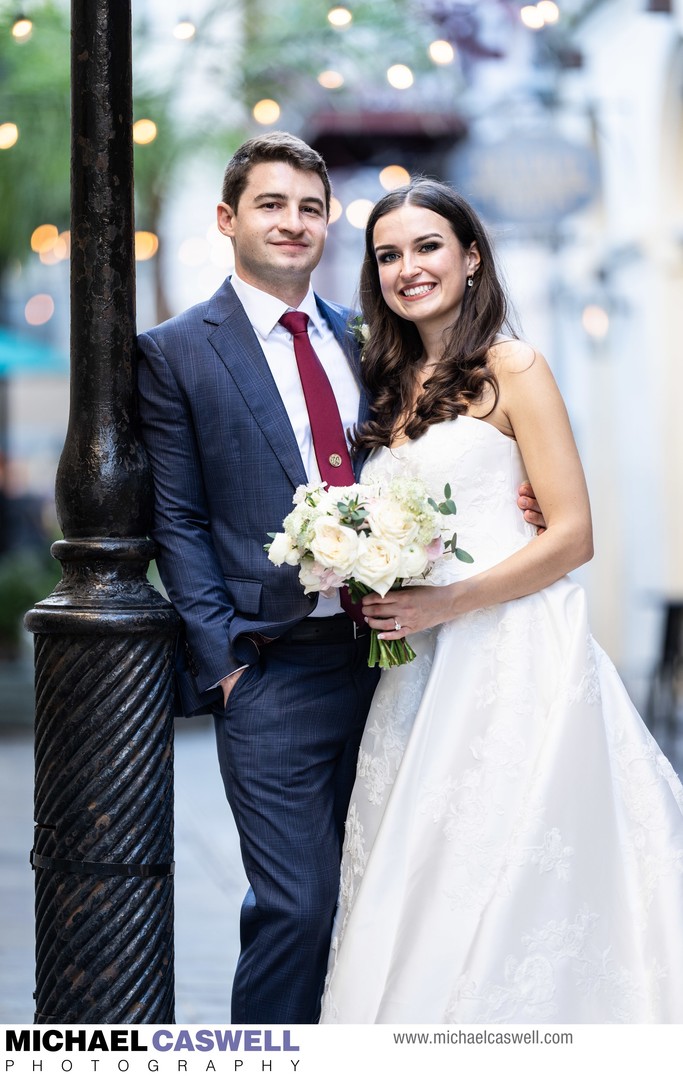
point(397, 626)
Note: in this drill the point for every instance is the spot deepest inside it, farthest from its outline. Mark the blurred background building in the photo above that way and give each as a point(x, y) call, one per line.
point(562, 122)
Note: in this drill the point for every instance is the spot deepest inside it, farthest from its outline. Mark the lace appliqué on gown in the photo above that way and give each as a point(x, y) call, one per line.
point(529, 986)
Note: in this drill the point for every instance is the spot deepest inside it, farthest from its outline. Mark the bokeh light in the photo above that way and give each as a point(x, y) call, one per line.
point(43, 238)
point(266, 111)
point(39, 309)
point(531, 17)
point(441, 52)
point(50, 245)
point(62, 246)
point(144, 132)
point(59, 250)
point(331, 80)
point(595, 321)
point(146, 246)
point(336, 209)
point(184, 30)
point(400, 77)
point(358, 211)
point(340, 17)
point(221, 249)
point(394, 175)
point(22, 30)
point(193, 251)
point(549, 11)
point(9, 133)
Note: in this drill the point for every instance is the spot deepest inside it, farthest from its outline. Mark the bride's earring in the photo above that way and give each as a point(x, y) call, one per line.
point(470, 281)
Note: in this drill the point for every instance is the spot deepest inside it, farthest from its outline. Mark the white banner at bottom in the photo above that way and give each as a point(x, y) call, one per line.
point(344, 1050)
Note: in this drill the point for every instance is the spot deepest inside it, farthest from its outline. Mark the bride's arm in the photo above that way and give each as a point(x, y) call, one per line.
point(530, 406)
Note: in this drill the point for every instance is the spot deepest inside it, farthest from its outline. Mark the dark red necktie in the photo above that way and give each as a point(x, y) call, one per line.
point(329, 442)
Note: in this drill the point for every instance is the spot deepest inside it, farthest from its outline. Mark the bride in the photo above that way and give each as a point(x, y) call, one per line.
point(514, 843)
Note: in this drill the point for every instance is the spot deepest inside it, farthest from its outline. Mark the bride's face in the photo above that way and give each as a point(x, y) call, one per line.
point(423, 267)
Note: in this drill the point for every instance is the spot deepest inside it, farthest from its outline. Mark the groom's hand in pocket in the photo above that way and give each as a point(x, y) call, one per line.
point(228, 683)
point(527, 503)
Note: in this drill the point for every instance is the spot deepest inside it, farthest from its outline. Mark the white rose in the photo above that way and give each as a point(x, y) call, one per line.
point(313, 491)
point(345, 493)
point(334, 545)
point(377, 563)
point(283, 550)
point(413, 561)
point(388, 519)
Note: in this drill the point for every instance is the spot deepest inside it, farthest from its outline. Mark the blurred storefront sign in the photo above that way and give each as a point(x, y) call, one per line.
point(526, 179)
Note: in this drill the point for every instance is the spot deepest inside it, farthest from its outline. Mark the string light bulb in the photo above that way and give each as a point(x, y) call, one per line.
point(400, 76)
point(536, 16)
point(39, 309)
point(266, 111)
point(550, 12)
point(22, 29)
point(339, 17)
point(336, 210)
point(9, 134)
point(595, 321)
point(144, 132)
point(441, 52)
point(394, 175)
point(146, 246)
point(331, 80)
point(358, 211)
point(184, 30)
point(532, 17)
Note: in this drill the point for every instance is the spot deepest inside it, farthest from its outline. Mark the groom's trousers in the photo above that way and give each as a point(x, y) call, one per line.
point(287, 747)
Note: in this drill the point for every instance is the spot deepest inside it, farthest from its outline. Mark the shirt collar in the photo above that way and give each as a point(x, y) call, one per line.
point(264, 310)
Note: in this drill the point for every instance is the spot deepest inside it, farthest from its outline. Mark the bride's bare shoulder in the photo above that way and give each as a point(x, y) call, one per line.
point(508, 355)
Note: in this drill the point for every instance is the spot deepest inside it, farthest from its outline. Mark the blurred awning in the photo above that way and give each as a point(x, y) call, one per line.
point(355, 138)
point(19, 354)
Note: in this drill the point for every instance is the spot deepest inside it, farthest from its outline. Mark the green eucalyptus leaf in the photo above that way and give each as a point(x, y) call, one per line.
point(464, 557)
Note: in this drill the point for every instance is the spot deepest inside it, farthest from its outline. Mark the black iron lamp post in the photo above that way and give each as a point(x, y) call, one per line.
point(103, 851)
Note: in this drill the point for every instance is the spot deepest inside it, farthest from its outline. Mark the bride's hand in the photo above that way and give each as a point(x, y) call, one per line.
point(410, 609)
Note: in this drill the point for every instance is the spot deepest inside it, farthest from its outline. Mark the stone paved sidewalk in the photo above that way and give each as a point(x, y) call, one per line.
point(209, 880)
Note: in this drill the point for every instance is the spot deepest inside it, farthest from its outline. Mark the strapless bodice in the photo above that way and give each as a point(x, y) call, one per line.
point(484, 469)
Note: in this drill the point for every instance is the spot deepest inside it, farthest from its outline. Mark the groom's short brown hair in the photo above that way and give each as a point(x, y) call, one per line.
point(274, 146)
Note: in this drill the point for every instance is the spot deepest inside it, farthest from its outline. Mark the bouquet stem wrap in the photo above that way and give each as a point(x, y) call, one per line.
point(383, 652)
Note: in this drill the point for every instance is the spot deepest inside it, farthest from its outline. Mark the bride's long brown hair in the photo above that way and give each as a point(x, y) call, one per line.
point(393, 353)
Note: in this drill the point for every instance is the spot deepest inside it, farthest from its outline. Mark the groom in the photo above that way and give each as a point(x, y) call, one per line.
point(228, 434)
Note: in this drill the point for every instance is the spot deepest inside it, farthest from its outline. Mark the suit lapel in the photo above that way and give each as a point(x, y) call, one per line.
point(338, 320)
point(236, 344)
point(339, 323)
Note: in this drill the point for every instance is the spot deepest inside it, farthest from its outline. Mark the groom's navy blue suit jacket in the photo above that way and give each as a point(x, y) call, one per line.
point(225, 463)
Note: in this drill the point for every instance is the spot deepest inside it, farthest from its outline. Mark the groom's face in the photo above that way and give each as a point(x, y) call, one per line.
point(278, 228)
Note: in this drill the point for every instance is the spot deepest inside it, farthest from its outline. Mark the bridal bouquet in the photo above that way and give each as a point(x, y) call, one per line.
point(370, 538)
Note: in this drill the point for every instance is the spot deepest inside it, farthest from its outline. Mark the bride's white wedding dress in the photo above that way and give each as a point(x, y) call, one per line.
point(514, 844)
